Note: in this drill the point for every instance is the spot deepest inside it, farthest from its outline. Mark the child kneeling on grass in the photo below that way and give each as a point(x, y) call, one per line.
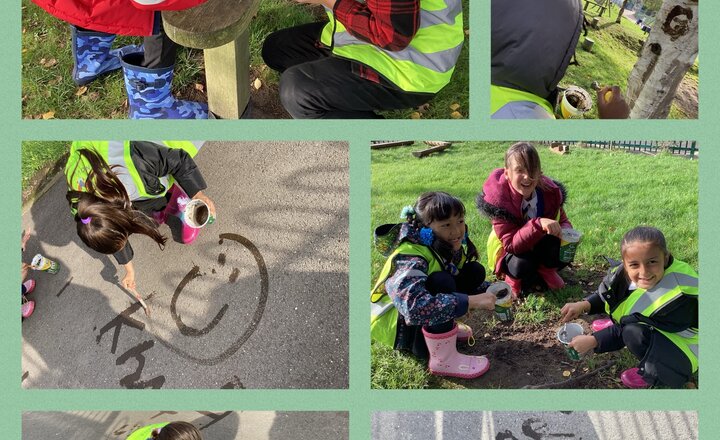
point(652, 300)
point(526, 210)
point(431, 278)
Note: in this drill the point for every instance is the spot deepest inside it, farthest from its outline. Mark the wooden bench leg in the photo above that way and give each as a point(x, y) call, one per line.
point(228, 77)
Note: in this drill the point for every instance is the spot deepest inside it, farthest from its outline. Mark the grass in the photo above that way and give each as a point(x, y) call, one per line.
point(49, 92)
point(612, 59)
point(609, 192)
point(36, 155)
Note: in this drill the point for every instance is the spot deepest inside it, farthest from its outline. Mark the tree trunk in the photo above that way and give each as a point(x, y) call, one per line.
point(668, 53)
point(622, 10)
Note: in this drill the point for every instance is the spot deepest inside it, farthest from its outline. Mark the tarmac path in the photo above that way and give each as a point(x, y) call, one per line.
point(551, 425)
point(231, 425)
point(259, 300)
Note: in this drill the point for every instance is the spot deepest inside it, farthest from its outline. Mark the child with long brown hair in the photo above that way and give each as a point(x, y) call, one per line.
point(527, 213)
point(119, 188)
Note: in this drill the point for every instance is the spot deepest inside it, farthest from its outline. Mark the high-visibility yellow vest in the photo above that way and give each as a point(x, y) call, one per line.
point(145, 433)
point(679, 279)
point(501, 96)
point(428, 62)
point(118, 153)
point(383, 314)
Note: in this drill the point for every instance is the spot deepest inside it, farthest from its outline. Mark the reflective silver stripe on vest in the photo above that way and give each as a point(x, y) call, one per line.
point(116, 156)
point(378, 309)
point(694, 349)
point(441, 61)
point(667, 284)
point(687, 333)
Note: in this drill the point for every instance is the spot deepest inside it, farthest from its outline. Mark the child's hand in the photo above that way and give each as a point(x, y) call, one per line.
point(612, 104)
point(550, 226)
point(583, 343)
point(571, 311)
point(482, 301)
point(128, 281)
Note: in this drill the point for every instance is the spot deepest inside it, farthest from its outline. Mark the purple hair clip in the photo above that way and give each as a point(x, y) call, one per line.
point(86, 220)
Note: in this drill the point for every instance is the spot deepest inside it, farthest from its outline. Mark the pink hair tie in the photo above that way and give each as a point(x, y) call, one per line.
point(86, 220)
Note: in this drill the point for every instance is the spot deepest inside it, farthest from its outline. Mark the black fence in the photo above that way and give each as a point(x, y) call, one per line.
point(681, 148)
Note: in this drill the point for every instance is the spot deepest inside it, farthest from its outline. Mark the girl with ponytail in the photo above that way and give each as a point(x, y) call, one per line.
point(118, 188)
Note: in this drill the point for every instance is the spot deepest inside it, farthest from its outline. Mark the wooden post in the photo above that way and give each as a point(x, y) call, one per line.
point(228, 77)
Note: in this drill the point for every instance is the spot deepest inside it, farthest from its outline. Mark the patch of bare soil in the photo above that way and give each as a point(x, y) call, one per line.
point(531, 356)
point(686, 98)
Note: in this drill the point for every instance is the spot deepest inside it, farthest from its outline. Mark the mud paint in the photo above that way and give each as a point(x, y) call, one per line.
point(122, 319)
point(257, 315)
point(234, 384)
point(506, 435)
point(677, 22)
point(221, 258)
point(234, 275)
point(132, 381)
point(184, 329)
point(25, 376)
point(530, 427)
point(64, 287)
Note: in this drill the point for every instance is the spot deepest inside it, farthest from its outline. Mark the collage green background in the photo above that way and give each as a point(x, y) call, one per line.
point(359, 399)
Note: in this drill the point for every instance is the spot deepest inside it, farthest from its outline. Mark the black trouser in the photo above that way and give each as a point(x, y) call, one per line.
point(525, 266)
point(410, 337)
point(316, 85)
point(159, 49)
point(661, 361)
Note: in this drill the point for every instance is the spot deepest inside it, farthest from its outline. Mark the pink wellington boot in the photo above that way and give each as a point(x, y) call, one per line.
point(446, 361)
point(176, 206)
point(465, 332)
point(551, 277)
point(27, 308)
point(172, 206)
point(29, 286)
point(631, 378)
point(600, 324)
point(515, 284)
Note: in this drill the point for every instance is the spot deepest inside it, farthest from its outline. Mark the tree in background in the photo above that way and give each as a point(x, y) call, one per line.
point(668, 53)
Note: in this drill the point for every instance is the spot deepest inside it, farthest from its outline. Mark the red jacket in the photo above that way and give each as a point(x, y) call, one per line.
point(123, 17)
point(503, 205)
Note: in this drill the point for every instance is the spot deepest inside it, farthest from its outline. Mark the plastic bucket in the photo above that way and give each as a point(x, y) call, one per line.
point(45, 264)
point(575, 102)
point(565, 334)
point(503, 301)
point(569, 241)
point(197, 214)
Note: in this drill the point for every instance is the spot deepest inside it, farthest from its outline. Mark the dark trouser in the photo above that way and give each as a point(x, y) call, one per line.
point(316, 85)
point(661, 361)
point(525, 266)
point(410, 337)
point(160, 50)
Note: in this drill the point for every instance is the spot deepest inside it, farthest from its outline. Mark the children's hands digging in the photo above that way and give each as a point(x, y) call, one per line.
point(551, 227)
point(571, 311)
point(583, 343)
point(612, 104)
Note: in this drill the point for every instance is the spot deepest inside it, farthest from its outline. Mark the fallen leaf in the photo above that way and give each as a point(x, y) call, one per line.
point(55, 81)
point(415, 115)
point(199, 86)
point(566, 373)
point(467, 31)
point(48, 115)
point(257, 84)
point(48, 63)
point(81, 91)
point(93, 96)
point(455, 106)
point(456, 115)
point(24, 50)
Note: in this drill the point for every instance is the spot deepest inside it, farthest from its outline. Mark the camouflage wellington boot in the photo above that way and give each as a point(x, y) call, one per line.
point(149, 94)
point(92, 55)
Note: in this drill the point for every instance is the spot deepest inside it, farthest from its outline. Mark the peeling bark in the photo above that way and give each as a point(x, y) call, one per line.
point(668, 53)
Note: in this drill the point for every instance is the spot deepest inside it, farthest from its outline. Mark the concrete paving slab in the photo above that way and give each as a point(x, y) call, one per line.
point(260, 300)
point(230, 425)
point(506, 425)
